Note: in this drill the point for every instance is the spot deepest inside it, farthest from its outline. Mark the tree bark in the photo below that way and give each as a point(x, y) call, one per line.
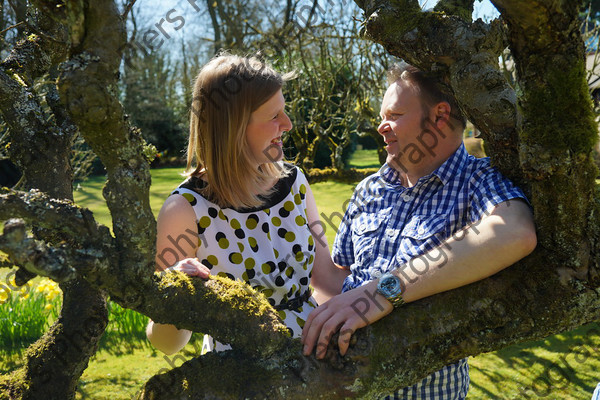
point(547, 152)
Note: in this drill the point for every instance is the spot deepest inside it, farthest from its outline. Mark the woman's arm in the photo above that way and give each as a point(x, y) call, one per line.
point(176, 246)
point(327, 278)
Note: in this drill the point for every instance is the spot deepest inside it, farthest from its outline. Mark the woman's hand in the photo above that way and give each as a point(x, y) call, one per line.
point(191, 267)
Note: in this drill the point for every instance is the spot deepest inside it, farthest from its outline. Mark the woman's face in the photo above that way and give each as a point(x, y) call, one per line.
point(263, 133)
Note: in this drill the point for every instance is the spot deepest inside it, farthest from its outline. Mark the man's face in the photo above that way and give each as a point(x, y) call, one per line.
point(401, 124)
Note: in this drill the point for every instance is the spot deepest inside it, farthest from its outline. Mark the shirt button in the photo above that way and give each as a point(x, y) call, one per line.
point(389, 232)
point(376, 273)
point(421, 230)
point(405, 197)
point(362, 227)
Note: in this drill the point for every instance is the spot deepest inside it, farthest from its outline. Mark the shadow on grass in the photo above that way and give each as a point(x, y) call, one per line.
point(562, 366)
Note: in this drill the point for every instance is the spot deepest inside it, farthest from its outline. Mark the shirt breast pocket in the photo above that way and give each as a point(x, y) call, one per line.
point(425, 231)
point(365, 232)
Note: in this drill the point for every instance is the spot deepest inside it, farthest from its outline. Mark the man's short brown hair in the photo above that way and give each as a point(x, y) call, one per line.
point(430, 90)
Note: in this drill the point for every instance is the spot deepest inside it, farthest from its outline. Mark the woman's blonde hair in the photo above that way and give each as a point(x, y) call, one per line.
point(227, 90)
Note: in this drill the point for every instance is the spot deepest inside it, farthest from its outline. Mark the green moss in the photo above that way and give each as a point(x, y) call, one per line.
point(558, 113)
point(460, 8)
point(14, 385)
point(175, 280)
point(404, 17)
point(238, 292)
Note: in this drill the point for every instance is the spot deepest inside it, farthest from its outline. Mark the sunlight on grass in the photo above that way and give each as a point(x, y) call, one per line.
point(364, 159)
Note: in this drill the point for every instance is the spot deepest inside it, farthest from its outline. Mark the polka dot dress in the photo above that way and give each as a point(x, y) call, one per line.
point(270, 248)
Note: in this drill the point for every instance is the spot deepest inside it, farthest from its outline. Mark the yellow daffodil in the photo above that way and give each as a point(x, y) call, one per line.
point(3, 296)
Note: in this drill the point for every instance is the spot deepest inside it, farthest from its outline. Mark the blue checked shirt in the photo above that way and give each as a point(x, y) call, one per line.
point(387, 224)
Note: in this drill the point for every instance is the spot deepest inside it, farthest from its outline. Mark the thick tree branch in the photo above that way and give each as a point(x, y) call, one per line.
point(461, 8)
point(413, 341)
point(73, 224)
point(88, 90)
point(34, 255)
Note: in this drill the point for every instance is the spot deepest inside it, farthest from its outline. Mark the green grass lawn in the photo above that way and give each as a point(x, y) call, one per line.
point(564, 366)
point(364, 159)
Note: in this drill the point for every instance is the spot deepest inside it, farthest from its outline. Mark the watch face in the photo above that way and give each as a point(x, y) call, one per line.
point(390, 285)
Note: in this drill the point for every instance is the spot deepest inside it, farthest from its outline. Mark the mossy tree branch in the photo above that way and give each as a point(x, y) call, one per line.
point(461, 8)
point(88, 90)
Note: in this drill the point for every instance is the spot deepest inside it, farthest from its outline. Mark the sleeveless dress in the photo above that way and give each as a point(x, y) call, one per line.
point(269, 247)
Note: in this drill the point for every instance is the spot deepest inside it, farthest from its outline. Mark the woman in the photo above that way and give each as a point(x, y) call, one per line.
point(252, 212)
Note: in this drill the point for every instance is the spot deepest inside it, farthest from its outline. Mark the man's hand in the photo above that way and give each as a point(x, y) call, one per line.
point(345, 312)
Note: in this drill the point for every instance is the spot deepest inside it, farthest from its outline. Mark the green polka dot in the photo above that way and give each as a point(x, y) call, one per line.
point(282, 314)
point(235, 224)
point(300, 221)
point(268, 292)
point(290, 236)
point(276, 221)
point(252, 242)
point(212, 259)
point(266, 269)
point(305, 266)
point(222, 274)
point(267, 211)
point(241, 247)
point(300, 322)
point(223, 243)
point(236, 258)
point(269, 235)
point(311, 259)
point(222, 216)
point(311, 241)
point(276, 253)
point(302, 189)
point(288, 206)
point(297, 199)
point(189, 197)
point(245, 277)
point(204, 222)
point(299, 256)
point(251, 223)
point(289, 272)
point(249, 263)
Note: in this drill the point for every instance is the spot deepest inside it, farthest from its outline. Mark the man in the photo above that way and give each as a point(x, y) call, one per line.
point(429, 197)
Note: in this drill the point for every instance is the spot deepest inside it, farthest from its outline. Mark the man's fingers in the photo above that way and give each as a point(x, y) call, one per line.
point(346, 333)
point(329, 328)
point(309, 321)
point(312, 334)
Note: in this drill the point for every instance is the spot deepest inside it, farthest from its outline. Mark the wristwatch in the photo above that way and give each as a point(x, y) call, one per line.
point(390, 287)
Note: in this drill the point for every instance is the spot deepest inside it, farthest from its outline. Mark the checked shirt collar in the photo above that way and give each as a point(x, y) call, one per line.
point(449, 170)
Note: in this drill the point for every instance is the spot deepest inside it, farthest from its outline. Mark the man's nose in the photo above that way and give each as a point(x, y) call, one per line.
point(383, 127)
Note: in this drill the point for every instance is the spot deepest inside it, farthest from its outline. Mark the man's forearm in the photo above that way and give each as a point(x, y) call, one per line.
point(478, 251)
